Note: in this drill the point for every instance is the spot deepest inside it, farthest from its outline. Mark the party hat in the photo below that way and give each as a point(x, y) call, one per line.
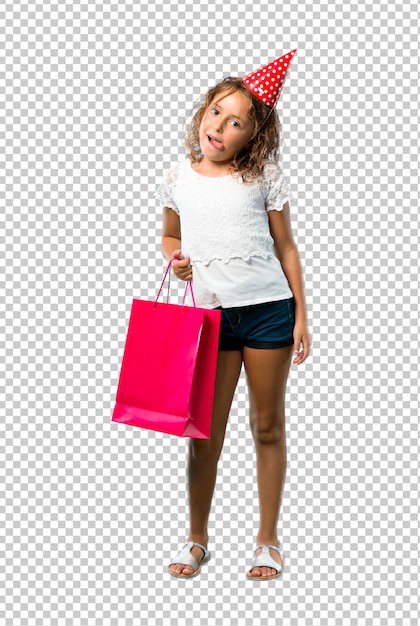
point(267, 82)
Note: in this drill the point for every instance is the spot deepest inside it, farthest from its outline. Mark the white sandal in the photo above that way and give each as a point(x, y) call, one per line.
point(265, 560)
point(186, 558)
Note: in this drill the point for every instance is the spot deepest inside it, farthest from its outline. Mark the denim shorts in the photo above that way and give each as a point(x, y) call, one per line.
point(265, 326)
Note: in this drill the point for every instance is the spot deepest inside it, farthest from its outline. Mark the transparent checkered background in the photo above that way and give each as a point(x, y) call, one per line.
point(93, 100)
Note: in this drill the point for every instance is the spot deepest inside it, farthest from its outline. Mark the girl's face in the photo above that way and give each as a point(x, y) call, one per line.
point(225, 128)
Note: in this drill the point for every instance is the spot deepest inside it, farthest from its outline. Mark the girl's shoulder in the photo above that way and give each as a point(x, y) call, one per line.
point(166, 189)
point(275, 186)
point(172, 175)
point(173, 172)
point(272, 174)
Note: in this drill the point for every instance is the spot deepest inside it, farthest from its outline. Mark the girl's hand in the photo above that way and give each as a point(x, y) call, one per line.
point(181, 266)
point(302, 343)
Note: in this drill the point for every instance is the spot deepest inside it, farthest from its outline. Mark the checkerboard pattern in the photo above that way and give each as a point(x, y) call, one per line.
point(93, 98)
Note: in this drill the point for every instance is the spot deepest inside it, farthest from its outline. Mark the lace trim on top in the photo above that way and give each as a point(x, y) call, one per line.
point(223, 218)
point(166, 189)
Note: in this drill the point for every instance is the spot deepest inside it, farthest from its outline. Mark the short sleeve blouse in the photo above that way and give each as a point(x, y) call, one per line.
point(230, 213)
point(225, 232)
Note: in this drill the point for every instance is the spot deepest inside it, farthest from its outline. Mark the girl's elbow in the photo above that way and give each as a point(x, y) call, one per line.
point(285, 250)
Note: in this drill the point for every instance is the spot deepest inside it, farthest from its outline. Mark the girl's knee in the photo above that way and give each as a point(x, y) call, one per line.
point(205, 449)
point(268, 430)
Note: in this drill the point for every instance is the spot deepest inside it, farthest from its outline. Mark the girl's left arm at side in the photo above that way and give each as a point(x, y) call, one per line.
point(288, 255)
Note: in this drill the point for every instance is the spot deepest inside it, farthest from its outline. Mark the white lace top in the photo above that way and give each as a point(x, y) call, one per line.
point(225, 231)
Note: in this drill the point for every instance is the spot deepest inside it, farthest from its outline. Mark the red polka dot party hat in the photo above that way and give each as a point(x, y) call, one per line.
point(267, 82)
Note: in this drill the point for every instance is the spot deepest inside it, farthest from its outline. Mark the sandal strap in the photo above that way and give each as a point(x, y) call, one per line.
point(204, 549)
point(186, 558)
point(266, 560)
point(276, 548)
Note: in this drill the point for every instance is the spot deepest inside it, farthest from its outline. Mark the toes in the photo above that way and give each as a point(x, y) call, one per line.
point(272, 571)
point(263, 572)
point(181, 569)
point(267, 571)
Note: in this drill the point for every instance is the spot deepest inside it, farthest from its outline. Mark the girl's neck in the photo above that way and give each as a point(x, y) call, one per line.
point(205, 167)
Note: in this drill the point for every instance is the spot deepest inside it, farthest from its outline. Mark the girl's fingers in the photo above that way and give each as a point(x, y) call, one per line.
point(181, 267)
point(301, 350)
point(297, 356)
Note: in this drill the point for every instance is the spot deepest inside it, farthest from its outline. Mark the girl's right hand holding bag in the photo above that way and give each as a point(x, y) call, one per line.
point(181, 266)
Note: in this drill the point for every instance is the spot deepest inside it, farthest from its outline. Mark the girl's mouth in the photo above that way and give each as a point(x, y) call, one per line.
point(216, 144)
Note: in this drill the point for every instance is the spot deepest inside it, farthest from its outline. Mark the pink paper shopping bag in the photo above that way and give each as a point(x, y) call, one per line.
point(168, 370)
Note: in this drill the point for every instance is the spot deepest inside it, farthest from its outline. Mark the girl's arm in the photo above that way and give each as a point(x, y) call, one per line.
point(288, 255)
point(171, 244)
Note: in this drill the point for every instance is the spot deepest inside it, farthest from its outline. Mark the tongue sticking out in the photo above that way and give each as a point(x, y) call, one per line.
point(215, 143)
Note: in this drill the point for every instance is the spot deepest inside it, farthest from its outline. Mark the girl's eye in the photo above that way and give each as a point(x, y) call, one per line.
point(235, 123)
point(215, 111)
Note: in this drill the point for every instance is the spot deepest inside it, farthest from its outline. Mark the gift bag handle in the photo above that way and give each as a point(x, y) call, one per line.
point(168, 275)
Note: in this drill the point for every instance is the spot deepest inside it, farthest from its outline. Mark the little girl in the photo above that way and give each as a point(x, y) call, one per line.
point(227, 222)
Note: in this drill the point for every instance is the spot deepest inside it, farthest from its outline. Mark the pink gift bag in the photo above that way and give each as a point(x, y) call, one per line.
point(168, 370)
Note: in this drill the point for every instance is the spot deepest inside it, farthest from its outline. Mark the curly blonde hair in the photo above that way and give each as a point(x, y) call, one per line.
point(264, 144)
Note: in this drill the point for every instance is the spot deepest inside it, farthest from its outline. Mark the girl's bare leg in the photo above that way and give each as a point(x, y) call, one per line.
point(204, 455)
point(267, 372)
